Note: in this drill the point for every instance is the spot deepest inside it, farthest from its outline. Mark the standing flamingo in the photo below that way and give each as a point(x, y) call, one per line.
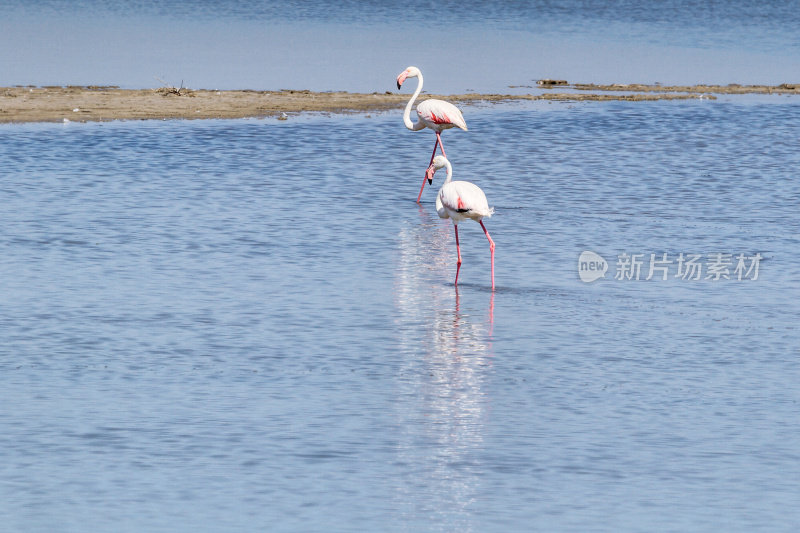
point(437, 115)
point(459, 200)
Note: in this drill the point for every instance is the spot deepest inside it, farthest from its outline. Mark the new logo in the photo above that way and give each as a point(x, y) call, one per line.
point(591, 266)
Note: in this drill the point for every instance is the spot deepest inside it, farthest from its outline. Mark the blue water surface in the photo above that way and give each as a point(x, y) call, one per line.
point(251, 325)
point(361, 46)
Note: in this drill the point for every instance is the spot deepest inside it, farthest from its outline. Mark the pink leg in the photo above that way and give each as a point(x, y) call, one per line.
point(438, 143)
point(491, 248)
point(439, 140)
point(491, 313)
point(458, 249)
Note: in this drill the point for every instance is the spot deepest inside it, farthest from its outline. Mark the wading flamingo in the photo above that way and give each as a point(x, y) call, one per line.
point(437, 115)
point(459, 200)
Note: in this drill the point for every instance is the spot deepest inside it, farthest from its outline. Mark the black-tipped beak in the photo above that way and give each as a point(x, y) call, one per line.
point(399, 85)
point(429, 174)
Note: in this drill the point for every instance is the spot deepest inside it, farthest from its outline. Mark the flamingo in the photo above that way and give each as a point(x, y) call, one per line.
point(459, 200)
point(437, 115)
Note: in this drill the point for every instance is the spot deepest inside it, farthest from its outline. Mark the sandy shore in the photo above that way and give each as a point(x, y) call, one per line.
point(733, 88)
point(101, 103)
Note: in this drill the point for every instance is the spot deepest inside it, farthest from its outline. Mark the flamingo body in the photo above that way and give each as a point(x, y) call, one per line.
point(439, 115)
point(460, 200)
point(434, 114)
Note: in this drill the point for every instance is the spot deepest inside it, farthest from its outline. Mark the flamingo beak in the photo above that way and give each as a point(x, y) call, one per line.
point(429, 174)
point(401, 78)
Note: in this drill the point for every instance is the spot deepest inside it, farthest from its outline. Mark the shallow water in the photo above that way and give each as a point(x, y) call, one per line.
point(237, 325)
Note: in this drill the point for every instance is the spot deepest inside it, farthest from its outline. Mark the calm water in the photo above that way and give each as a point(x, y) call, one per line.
point(251, 325)
point(362, 46)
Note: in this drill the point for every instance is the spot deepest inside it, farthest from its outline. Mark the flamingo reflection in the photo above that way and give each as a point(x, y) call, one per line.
point(445, 336)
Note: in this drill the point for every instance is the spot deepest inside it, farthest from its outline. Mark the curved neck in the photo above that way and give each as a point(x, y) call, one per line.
point(407, 113)
point(449, 177)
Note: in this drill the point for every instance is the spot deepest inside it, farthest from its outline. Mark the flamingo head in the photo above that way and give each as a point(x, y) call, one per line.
point(439, 161)
point(410, 72)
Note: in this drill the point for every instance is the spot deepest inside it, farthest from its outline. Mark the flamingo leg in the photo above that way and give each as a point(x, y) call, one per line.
point(458, 249)
point(437, 144)
point(424, 179)
point(491, 249)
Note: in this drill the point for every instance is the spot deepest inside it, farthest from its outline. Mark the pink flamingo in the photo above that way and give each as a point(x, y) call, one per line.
point(459, 200)
point(437, 115)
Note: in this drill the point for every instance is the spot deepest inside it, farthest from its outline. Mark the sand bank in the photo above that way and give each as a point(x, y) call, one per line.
point(101, 103)
point(733, 88)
